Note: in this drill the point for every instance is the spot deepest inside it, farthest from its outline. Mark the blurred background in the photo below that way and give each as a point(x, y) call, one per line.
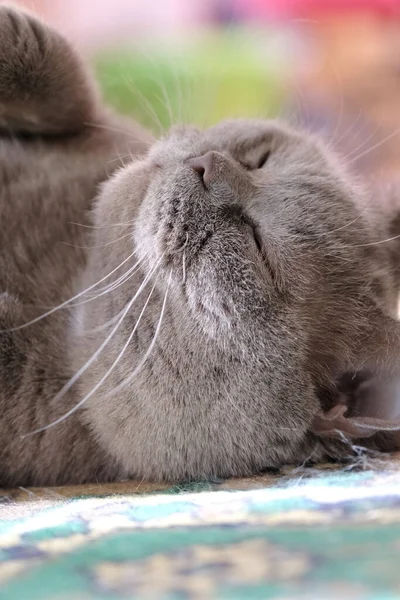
point(330, 65)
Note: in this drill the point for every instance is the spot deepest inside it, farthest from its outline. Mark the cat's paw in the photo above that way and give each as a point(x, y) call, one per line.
point(24, 42)
point(44, 88)
point(18, 28)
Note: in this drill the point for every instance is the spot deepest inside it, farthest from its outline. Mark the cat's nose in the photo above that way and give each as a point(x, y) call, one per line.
point(204, 165)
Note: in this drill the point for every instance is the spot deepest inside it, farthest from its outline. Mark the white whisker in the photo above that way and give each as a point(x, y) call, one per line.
point(346, 133)
point(347, 225)
point(165, 101)
point(146, 104)
point(375, 146)
point(120, 158)
point(110, 128)
point(375, 243)
point(128, 224)
point(94, 356)
point(362, 145)
point(128, 275)
point(98, 245)
point(184, 267)
point(328, 233)
point(105, 376)
point(104, 326)
point(67, 302)
point(151, 346)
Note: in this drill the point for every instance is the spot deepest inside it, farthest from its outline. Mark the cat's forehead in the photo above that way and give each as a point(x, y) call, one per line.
point(239, 137)
point(243, 134)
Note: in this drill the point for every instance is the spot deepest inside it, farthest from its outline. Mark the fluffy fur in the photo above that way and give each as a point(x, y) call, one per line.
point(261, 285)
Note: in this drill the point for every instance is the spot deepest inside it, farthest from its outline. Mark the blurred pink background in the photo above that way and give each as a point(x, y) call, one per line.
point(94, 22)
point(341, 70)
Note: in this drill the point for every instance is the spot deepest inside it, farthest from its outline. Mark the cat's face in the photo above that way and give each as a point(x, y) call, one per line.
point(251, 237)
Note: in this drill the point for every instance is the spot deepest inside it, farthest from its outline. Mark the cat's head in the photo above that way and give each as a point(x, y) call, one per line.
point(264, 276)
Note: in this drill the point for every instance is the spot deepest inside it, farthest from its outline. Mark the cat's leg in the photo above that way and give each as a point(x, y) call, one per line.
point(44, 87)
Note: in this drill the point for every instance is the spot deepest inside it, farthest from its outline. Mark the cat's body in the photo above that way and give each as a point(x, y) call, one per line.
point(47, 187)
point(266, 285)
point(40, 258)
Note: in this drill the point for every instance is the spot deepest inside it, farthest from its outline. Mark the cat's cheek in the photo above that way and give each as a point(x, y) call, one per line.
point(119, 201)
point(77, 322)
point(144, 240)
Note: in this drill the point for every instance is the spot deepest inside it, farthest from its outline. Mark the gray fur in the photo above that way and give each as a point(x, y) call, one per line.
point(255, 331)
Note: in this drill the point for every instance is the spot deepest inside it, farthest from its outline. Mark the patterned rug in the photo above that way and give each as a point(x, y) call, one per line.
point(321, 534)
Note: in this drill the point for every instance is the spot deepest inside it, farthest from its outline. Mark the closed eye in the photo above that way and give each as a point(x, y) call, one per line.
point(258, 241)
point(259, 164)
point(257, 238)
point(263, 159)
point(254, 231)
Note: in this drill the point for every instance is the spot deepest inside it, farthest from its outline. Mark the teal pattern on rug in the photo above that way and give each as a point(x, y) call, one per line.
point(324, 538)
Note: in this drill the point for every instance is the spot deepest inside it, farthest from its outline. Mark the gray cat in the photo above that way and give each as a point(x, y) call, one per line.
point(189, 315)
